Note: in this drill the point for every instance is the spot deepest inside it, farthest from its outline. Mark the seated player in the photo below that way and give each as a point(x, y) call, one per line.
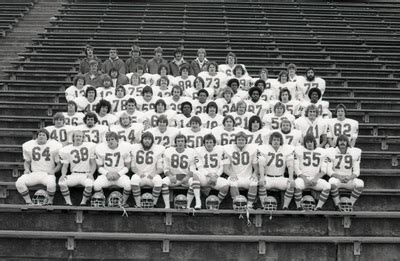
point(78, 157)
point(274, 158)
point(182, 119)
point(160, 109)
point(344, 169)
point(72, 116)
point(117, 78)
point(113, 160)
point(93, 131)
point(270, 84)
point(147, 165)
point(210, 162)
point(195, 133)
point(119, 100)
point(41, 162)
point(310, 166)
point(310, 123)
point(256, 133)
point(230, 64)
point(273, 121)
point(147, 101)
point(176, 99)
point(227, 103)
point(211, 118)
point(184, 80)
point(256, 105)
point(106, 89)
point(163, 71)
point(242, 116)
point(89, 101)
point(291, 136)
point(241, 166)
point(126, 130)
point(226, 134)
point(78, 89)
point(212, 78)
point(163, 134)
point(201, 101)
point(292, 106)
point(308, 83)
point(104, 114)
point(315, 98)
point(135, 115)
point(59, 131)
point(292, 76)
point(342, 126)
point(179, 165)
point(163, 88)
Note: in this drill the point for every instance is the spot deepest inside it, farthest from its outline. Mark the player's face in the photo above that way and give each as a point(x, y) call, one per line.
point(255, 126)
point(312, 114)
point(178, 56)
point(90, 122)
point(209, 144)
point(201, 55)
point(93, 68)
point(163, 83)
point(59, 123)
point(78, 138)
point(292, 71)
point(341, 114)
point(239, 72)
point(158, 54)
point(91, 95)
point(234, 86)
point(195, 125)
point(202, 97)
point(212, 110)
point(228, 124)
point(285, 97)
point(135, 54)
point(198, 84)
point(314, 97)
point(342, 144)
point(185, 73)
point(89, 52)
point(241, 142)
point(125, 121)
point(279, 111)
point(180, 143)
point(80, 83)
point(284, 78)
point(162, 125)
point(261, 86)
point(71, 108)
point(176, 93)
point(231, 60)
point(112, 142)
point(255, 96)
point(147, 142)
point(107, 83)
point(160, 108)
point(130, 106)
point(113, 54)
point(163, 71)
point(309, 145)
point(276, 142)
point(103, 110)
point(264, 75)
point(135, 80)
point(310, 74)
point(147, 96)
point(140, 72)
point(227, 96)
point(41, 138)
point(211, 68)
point(186, 110)
point(241, 109)
point(120, 93)
point(286, 127)
point(114, 74)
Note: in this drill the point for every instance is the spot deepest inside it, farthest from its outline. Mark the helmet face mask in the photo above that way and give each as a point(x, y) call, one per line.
point(240, 203)
point(180, 202)
point(212, 202)
point(270, 204)
point(114, 199)
point(98, 200)
point(147, 200)
point(345, 204)
point(308, 203)
point(40, 198)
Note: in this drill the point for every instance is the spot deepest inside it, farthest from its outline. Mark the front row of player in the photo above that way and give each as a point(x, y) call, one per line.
point(256, 168)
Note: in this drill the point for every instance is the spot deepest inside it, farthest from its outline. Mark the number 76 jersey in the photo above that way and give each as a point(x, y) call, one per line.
point(276, 161)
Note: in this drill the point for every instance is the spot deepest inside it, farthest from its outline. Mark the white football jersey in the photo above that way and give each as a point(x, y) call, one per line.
point(192, 93)
point(134, 91)
point(290, 85)
point(216, 82)
point(258, 137)
point(225, 137)
point(117, 104)
point(224, 107)
point(73, 120)
point(107, 120)
point(211, 162)
point(244, 81)
point(146, 162)
point(162, 92)
point(277, 160)
point(317, 128)
point(144, 105)
point(42, 157)
point(179, 163)
point(136, 116)
point(269, 95)
point(194, 139)
point(241, 161)
point(85, 105)
point(96, 134)
point(273, 122)
point(211, 123)
point(113, 159)
point(62, 135)
point(292, 107)
point(104, 92)
point(259, 108)
point(167, 138)
point(72, 92)
point(184, 83)
point(198, 107)
point(310, 162)
point(294, 137)
point(348, 127)
point(78, 157)
point(242, 121)
point(228, 70)
point(345, 164)
point(304, 86)
point(182, 121)
point(322, 106)
point(131, 134)
point(176, 105)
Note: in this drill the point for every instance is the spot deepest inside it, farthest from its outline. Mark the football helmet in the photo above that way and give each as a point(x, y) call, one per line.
point(345, 204)
point(240, 203)
point(40, 198)
point(114, 200)
point(212, 202)
point(270, 203)
point(98, 200)
point(308, 203)
point(147, 200)
point(180, 202)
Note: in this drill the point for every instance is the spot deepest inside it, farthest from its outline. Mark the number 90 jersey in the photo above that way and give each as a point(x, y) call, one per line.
point(344, 164)
point(241, 160)
point(42, 157)
point(147, 162)
point(179, 163)
point(78, 156)
point(276, 161)
point(113, 159)
point(310, 162)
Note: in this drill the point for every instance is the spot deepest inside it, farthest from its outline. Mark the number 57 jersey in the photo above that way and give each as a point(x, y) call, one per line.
point(276, 161)
point(113, 159)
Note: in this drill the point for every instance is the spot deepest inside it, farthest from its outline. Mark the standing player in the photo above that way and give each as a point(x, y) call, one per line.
point(308, 83)
point(93, 131)
point(226, 134)
point(212, 78)
point(163, 134)
point(315, 98)
point(293, 77)
point(195, 133)
point(179, 165)
point(126, 130)
point(41, 162)
point(342, 126)
point(242, 167)
point(269, 83)
point(211, 118)
point(72, 116)
point(310, 166)
point(244, 79)
point(312, 124)
point(274, 158)
point(113, 160)
point(59, 131)
point(210, 162)
point(80, 159)
point(267, 93)
point(292, 106)
point(283, 82)
point(345, 170)
point(147, 164)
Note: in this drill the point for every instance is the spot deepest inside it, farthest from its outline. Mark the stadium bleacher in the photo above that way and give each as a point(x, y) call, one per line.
point(354, 46)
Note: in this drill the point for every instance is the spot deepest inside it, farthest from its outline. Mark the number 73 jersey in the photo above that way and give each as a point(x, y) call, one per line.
point(276, 161)
point(310, 162)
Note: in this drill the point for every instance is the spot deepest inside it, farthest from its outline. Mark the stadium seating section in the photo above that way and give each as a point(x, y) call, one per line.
point(354, 46)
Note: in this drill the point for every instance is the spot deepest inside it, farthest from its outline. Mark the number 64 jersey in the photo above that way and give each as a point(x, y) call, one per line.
point(42, 157)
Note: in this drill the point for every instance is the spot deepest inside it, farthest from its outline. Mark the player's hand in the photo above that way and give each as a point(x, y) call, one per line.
point(27, 171)
point(262, 180)
point(172, 178)
point(233, 177)
point(62, 178)
point(345, 179)
point(150, 177)
point(142, 176)
point(185, 181)
point(212, 181)
point(313, 182)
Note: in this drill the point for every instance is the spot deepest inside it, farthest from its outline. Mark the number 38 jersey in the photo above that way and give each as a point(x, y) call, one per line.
point(113, 159)
point(344, 164)
point(78, 156)
point(179, 163)
point(241, 160)
point(309, 162)
point(42, 157)
point(146, 162)
point(276, 161)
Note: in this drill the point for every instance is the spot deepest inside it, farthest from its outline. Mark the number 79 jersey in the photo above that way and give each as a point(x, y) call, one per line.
point(344, 164)
point(242, 160)
point(78, 156)
point(179, 163)
point(310, 162)
point(276, 161)
point(113, 159)
point(42, 157)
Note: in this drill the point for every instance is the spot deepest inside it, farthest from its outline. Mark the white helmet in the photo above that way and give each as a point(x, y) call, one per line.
point(180, 202)
point(98, 200)
point(270, 203)
point(147, 200)
point(40, 198)
point(308, 203)
point(114, 199)
point(345, 204)
point(240, 203)
point(212, 202)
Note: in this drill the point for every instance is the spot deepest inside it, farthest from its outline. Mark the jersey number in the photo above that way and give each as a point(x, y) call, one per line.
point(80, 155)
point(109, 158)
point(36, 155)
point(313, 159)
point(240, 158)
point(144, 157)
